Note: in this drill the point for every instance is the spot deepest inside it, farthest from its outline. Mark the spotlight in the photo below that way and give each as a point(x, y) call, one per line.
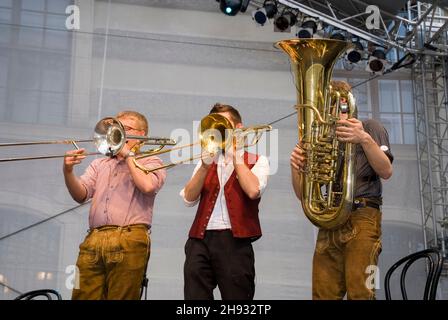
point(244, 5)
point(261, 15)
point(354, 55)
point(377, 61)
point(271, 8)
point(232, 7)
point(284, 22)
point(308, 28)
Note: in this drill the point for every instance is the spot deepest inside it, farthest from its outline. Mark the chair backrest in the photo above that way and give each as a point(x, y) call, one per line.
point(47, 293)
point(435, 264)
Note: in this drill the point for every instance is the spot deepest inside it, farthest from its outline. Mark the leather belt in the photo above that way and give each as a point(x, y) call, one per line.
point(218, 230)
point(363, 202)
point(127, 227)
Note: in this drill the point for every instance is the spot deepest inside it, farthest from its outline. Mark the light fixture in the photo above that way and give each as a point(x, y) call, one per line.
point(232, 7)
point(285, 21)
point(268, 11)
point(308, 28)
point(354, 55)
point(377, 61)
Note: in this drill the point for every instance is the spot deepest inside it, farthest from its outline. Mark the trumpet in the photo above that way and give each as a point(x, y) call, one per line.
point(109, 138)
point(216, 133)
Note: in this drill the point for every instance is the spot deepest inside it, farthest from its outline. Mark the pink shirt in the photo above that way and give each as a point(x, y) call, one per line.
point(115, 198)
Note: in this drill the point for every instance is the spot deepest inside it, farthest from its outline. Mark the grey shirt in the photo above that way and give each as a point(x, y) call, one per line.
point(368, 183)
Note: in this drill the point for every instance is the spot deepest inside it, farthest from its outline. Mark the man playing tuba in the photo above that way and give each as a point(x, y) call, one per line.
point(345, 259)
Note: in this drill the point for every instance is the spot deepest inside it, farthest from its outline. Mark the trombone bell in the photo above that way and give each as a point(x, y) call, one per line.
point(212, 133)
point(109, 136)
point(216, 134)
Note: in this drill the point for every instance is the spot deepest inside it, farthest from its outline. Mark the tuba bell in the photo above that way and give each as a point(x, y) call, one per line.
point(327, 183)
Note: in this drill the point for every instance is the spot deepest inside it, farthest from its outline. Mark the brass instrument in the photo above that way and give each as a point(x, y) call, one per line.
point(109, 138)
point(312, 61)
point(216, 134)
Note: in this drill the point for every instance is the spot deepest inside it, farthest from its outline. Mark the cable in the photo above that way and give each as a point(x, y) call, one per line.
point(282, 118)
point(134, 37)
point(10, 288)
point(43, 221)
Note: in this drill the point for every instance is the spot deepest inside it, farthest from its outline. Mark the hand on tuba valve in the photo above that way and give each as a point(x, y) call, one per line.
point(298, 158)
point(350, 130)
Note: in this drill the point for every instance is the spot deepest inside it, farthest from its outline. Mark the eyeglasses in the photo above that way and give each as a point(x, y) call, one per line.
point(128, 128)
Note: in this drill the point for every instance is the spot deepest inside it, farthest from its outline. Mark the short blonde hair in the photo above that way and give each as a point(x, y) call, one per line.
point(136, 115)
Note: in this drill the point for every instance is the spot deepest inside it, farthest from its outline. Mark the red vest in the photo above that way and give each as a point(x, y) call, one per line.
point(243, 211)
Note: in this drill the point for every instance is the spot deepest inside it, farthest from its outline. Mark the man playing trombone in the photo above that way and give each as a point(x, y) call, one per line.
point(228, 187)
point(113, 257)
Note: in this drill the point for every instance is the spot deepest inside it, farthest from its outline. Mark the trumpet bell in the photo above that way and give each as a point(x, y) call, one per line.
point(212, 133)
point(109, 136)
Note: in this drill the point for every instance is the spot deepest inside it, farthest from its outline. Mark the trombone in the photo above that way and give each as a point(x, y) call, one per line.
point(214, 137)
point(109, 137)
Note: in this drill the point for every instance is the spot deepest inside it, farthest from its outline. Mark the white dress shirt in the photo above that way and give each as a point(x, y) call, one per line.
point(220, 215)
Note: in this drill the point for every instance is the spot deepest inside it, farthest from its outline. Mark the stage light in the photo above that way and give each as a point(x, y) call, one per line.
point(261, 15)
point(284, 22)
point(377, 61)
point(308, 28)
point(232, 7)
point(354, 55)
point(271, 8)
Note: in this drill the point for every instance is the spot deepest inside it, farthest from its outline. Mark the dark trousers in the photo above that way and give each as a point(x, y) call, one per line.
point(219, 260)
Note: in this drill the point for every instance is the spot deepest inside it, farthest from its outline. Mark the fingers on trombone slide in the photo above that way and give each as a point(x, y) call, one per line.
point(75, 156)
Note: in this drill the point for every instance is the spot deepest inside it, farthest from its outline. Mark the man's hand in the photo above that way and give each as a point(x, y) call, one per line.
point(208, 159)
point(71, 161)
point(350, 130)
point(130, 145)
point(238, 147)
point(298, 158)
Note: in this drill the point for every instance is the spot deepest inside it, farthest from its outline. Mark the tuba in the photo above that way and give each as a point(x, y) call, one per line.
point(327, 182)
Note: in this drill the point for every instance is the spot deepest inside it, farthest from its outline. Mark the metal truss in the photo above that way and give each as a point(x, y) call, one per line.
point(430, 82)
point(399, 30)
point(431, 114)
